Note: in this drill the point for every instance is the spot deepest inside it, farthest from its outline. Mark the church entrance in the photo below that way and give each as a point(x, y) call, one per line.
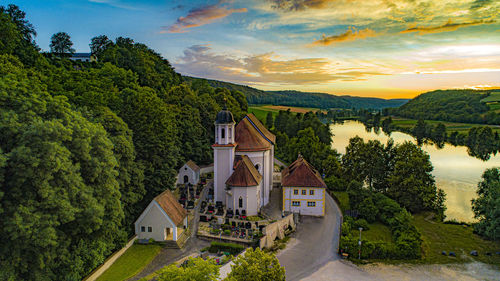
point(186, 179)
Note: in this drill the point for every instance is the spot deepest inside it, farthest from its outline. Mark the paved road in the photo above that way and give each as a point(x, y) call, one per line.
point(317, 241)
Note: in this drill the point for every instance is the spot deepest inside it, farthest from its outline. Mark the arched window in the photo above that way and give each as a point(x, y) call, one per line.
point(222, 133)
point(240, 202)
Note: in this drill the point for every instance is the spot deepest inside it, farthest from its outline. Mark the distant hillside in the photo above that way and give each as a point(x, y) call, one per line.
point(304, 99)
point(470, 106)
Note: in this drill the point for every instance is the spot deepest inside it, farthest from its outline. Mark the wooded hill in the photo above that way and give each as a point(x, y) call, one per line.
point(467, 106)
point(303, 99)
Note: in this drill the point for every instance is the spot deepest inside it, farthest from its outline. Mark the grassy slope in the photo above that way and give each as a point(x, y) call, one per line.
point(438, 237)
point(494, 96)
point(377, 232)
point(131, 262)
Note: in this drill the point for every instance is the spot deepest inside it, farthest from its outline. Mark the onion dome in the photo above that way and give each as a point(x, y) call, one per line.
point(224, 117)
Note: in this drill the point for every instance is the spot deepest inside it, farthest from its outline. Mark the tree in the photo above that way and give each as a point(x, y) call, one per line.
point(269, 120)
point(439, 133)
point(99, 43)
point(420, 130)
point(486, 206)
point(256, 265)
point(195, 270)
point(60, 198)
point(60, 44)
point(411, 184)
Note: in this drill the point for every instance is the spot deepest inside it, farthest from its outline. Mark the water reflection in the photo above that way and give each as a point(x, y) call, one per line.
point(455, 171)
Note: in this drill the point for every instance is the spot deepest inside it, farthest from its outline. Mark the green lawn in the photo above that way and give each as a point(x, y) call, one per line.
point(438, 237)
point(377, 232)
point(261, 113)
point(131, 262)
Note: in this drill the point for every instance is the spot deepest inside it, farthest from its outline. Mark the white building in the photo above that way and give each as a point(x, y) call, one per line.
point(243, 162)
point(303, 189)
point(189, 173)
point(163, 220)
point(87, 57)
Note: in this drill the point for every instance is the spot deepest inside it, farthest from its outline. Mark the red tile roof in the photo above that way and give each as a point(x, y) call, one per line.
point(249, 138)
point(192, 165)
point(244, 174)
point(261, 128)
point(301, 174)
point(171, 206)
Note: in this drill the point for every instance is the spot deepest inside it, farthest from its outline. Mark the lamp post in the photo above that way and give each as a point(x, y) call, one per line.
point(359, 243)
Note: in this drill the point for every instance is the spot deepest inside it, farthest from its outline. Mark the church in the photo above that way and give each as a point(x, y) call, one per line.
point(243, 163)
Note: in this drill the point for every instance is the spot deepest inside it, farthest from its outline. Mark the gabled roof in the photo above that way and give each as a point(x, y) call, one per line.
point(192, 165)
point(249, 138)
point(260, 127)
point(171, 206)
point(244, 174)
point(301, 174)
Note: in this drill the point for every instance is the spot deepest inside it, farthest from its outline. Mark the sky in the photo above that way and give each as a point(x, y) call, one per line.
point(377, 48)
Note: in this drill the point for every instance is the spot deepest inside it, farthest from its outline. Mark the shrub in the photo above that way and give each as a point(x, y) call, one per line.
point(361, 223)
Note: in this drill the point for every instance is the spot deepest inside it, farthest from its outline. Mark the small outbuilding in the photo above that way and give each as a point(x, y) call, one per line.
point(163, 220)
point(189, 173)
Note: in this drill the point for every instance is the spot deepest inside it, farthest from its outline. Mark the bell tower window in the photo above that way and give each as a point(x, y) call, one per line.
point(240, 202)
point(222, 133)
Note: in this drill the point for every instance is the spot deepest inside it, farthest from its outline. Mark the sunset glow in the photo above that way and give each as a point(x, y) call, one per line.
point(383, 48)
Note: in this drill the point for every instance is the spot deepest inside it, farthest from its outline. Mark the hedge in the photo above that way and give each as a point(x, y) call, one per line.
point(231, 248)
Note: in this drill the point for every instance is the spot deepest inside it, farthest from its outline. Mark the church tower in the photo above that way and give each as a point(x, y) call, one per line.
point(224, 150)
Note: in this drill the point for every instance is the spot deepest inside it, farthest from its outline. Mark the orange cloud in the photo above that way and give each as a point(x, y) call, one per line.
point(447, 27)
point(201, 16)
point(350, 35)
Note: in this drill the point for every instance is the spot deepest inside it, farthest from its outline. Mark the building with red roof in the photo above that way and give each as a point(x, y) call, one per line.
point(243, 162)
point(303, 189)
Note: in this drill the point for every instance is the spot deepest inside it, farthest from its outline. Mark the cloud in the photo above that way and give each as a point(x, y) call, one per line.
point(447, 27)
point(299, 5)
point(264, 68)
point(478, 4)
point(350, 35)
point(201, 16)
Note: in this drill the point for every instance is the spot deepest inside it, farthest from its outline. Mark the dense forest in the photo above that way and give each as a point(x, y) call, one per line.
point(85, 146)
point(304, 99)
point(466, 106)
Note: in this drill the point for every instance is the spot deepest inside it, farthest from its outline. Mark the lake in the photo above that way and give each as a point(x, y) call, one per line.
point(455, 171)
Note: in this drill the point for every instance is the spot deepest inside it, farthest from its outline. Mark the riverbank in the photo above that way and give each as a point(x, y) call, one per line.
point(405, 124)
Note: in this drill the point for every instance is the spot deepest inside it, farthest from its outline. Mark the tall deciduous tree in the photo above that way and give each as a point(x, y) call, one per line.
point(99, 43)
point(256, 265)
point(60, 198)
point(269, 120)
point(60, 44)
point(412, 184)
point(486, 206)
